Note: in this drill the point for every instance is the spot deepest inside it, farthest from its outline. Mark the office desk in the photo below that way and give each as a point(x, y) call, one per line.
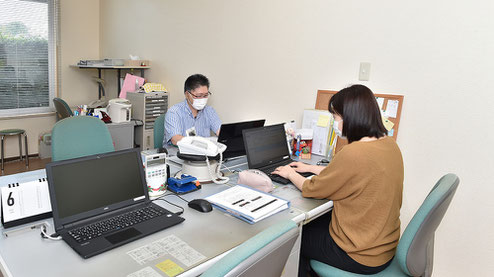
point(25, 253)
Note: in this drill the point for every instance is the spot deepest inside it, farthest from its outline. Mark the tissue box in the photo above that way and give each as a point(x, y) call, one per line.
point(137, 63)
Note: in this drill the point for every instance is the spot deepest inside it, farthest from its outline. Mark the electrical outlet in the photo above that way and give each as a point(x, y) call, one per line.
point(364, 72)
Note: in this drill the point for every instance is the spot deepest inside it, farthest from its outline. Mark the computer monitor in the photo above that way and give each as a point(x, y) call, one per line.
point(231, 136)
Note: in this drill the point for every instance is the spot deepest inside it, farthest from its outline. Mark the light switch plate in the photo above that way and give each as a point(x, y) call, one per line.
point(364, 72)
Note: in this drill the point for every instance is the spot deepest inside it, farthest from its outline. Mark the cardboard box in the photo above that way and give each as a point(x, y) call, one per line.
point(137, 63)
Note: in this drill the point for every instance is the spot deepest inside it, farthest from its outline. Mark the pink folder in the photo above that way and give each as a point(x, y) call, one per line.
point(129, 84)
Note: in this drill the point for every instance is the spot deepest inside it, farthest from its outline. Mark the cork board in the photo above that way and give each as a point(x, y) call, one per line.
point(391, 105)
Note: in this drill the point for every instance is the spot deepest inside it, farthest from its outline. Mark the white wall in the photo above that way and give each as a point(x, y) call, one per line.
point(79, 39)
point(266, 59)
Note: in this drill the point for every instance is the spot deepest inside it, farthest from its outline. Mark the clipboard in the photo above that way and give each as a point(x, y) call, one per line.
point(25, 202)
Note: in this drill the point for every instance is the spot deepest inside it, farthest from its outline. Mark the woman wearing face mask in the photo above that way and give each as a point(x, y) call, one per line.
point(192, 116)
point(365, 182)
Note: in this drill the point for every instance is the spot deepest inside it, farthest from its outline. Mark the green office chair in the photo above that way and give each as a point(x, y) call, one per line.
point(265, 254)
point(80, 136)
point(415, 252)
point(63, 110)
point(159, 131)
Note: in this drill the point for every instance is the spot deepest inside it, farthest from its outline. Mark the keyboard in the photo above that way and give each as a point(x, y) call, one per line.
point(278, 179)
point(103, 227)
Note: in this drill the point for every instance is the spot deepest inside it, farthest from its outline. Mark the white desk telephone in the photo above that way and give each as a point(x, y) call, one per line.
point(204, 147)
point(200, 146)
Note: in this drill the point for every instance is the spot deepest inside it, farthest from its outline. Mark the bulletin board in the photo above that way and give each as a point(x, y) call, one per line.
point(391, 105)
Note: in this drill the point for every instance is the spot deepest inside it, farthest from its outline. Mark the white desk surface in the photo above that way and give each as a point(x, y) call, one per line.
point(25, 253)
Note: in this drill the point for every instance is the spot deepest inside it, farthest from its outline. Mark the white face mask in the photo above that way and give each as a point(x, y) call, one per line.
point(337, 130)
point(200, 103)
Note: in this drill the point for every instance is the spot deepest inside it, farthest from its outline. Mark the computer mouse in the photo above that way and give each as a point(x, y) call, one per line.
point(201, 205)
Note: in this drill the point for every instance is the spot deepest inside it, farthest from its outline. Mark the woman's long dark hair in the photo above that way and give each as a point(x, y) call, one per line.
point(358, 107)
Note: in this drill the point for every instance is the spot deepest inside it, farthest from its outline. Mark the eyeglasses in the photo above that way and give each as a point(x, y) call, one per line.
point(200, 96)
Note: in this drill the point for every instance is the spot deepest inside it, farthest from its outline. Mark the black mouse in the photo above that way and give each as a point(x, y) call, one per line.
point(201, 205)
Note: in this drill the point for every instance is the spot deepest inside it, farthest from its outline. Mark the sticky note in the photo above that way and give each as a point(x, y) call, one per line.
point(387, 123)
point(170, 268)
point(323, 120)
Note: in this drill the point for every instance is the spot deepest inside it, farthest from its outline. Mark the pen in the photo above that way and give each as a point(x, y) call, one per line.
point(262, 206)
point(236, 202)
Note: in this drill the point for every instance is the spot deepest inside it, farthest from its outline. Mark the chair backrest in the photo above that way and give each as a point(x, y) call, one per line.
point(80, 136)
point(415, 249)
point(63, 110)
point(265, 254)
point(159, 131)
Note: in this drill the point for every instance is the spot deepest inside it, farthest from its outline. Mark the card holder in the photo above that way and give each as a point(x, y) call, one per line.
point(25, 202)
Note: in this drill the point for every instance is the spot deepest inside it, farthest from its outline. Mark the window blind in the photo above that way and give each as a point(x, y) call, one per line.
point(28, 43)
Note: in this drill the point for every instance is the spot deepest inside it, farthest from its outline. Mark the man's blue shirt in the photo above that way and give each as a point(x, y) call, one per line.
point(179, 118)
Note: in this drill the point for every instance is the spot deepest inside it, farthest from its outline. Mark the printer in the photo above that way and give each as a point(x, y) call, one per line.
point(119, 110)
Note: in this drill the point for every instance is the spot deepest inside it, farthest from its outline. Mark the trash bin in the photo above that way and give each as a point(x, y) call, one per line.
point(44, 145)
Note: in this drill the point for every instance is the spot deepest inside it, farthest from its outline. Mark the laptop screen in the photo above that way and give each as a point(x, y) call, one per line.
point(88, 186)
point(265, 145)
point(231, 136)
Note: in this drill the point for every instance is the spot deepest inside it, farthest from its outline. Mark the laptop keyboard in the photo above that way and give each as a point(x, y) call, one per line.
point(277, 178)
point(119, 222)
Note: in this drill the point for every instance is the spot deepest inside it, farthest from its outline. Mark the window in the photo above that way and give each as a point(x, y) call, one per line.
point(27, 56)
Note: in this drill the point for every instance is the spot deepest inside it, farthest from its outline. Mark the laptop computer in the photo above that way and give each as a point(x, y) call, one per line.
point(100, 202)
point(231, 136)
point(266, 149)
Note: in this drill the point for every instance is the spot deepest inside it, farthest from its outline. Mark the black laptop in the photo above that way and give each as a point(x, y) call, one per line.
point(231, 136)
point(100, 202)
point(266, 149)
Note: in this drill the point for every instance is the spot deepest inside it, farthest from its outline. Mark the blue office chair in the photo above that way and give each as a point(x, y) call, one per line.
point(62, 108)
point(80, 136)
point(159, 131)
point(265, 254)
point(415, 252)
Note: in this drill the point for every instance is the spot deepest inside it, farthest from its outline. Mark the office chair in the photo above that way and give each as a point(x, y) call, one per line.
point(63, 110)
point(415, 252)
point(80, 136)
point(265, 254)
point(159, 131)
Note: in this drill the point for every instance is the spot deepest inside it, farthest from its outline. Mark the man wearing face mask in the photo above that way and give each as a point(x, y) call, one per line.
point(192, 116)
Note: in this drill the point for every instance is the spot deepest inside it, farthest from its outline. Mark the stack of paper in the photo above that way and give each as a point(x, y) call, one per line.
point(247, 203)
point(321, 122)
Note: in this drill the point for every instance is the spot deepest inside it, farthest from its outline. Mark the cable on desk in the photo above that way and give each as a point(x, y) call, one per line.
point(174, 194)
point(232, 171)
point(53, 236)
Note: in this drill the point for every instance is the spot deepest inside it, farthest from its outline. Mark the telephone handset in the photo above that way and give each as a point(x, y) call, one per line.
point(200, 146)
